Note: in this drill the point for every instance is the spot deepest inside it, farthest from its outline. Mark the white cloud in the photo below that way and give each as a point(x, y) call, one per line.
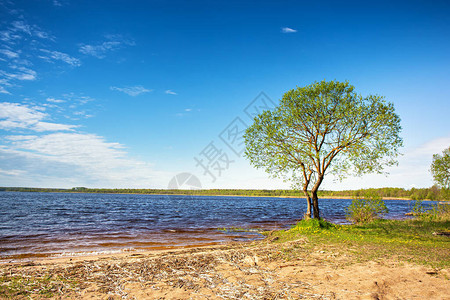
point(56, 55)
point(78, 159)
point(20, 137)
point(53, 100)
point(77, 99)
point(16, 73)
point(9, 53)
point(170, 92)
point(19, 28)
point(99, 51)
point(188, 109)
point(288, 30)
point(20, 73)
point(77, 148)
point(113, 42)
point(82, 114)
point(3, 90)
point(17, 37)
point(47, 126)
point(9, 36)
point(65, 159)
point(18, 116)
point(131, 90)
point(11, 172)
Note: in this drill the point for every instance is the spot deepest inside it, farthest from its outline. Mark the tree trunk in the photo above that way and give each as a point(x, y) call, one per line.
point(315, 199)
point(308, 202)
point(315, 203)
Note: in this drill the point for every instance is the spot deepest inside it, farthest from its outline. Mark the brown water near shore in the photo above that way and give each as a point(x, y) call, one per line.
point(172, 241)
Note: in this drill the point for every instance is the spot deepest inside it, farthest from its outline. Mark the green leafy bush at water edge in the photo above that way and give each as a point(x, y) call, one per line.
point(366, 209)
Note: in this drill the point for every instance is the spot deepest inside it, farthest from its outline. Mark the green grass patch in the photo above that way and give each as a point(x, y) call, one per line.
point(18, 286)
point(237, 229)
point(410, 240)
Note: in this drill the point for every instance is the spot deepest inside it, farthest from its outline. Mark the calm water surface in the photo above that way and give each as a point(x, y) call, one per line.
point(51, 224)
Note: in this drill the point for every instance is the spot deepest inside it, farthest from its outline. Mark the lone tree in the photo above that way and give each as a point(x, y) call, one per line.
point(440, 168)
point(324, 128)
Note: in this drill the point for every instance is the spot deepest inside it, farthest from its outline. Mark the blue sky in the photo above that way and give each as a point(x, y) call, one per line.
point(131, 93)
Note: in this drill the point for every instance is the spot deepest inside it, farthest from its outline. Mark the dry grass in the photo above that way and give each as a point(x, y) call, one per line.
point(222, 272)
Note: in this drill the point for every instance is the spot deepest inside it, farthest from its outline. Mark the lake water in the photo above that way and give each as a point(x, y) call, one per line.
point(54, 224)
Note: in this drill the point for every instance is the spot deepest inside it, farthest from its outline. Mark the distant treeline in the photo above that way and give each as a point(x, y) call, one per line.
point(433, 193)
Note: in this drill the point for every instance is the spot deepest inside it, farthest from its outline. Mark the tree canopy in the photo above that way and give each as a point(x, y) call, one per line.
point(440, 168)
point(323, 128)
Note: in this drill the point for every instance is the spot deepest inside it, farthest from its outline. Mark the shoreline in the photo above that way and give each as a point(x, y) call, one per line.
point(62, 259)
point(233, 271)
point(93, 255)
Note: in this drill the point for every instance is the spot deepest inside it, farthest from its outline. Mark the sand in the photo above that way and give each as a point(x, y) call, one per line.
point(258, 270)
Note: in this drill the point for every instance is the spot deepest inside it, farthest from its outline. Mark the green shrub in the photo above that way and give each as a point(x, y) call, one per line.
point(438, 212)
point(418, 208)
point(366, 209)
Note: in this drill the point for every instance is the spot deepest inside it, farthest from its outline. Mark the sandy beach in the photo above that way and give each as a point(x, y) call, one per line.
point(257, 270)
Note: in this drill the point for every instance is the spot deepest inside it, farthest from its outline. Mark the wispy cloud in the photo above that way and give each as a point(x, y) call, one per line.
point(4, 82)
point(185, 112)
point(21, 26)
point(99, 51)
point(57, 3)
point(53, 100)
point(11, 172)
point(19, 73)
point(9, 53)
point(20, 29)
point(72, 106)
point(77, 99)
point(131, 90)
point(288, 30)
point(19, 36)
point(59, 155)
point(3, 90)
point(170, 92)
point(74, 159)
point(15, 116)
point(56, 55)
point(112, 43)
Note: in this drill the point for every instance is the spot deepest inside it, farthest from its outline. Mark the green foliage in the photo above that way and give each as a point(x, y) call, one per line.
point(45, 286)
point(438, 212)
point(366, 209)
point(418, 208)
point(320, 128)
point(440, 168)
point(313, 124)
point(312, 225)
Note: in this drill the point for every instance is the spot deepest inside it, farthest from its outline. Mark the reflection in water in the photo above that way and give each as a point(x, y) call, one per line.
point(42, 224)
